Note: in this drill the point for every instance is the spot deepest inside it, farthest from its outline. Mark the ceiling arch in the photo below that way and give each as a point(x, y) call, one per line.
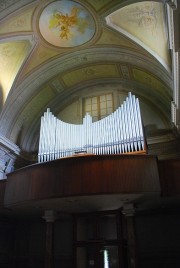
point(52, 76)
point(144, 23)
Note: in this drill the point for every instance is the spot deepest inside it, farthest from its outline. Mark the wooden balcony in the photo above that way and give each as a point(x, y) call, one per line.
point(86, 175)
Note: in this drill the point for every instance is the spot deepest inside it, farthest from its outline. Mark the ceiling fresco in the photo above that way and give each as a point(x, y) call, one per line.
point(41, 54)
point(88, 73)
point(20, 22)
point(12, 56)
point(66, 24)
point(144, 23)
point(55, 53)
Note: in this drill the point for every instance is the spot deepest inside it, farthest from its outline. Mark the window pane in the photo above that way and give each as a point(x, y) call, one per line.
point(106, 105)
point(88, 107)
point(94, 100)
point(88, 101)
point(108, 228)
point(94, 107)
point(109, 103)
point(94, 113)
point(109, 97)
point(90, 255)
point(86, 256)
point(111, 259)
point(103, 112)
point(81, 255)
point(86, 228)
point(109, 111)
point(102, 98)
point(103, 105)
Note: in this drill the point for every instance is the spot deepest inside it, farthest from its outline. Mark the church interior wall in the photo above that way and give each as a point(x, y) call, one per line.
point(22, 242)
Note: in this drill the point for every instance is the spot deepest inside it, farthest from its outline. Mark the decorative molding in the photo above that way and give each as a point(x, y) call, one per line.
point(128, 210)
point(5, 4)
point(50, 215)
point(164, 150)
point(172, 3)
point(173, 35)
point(9, 6)
point(8, 153)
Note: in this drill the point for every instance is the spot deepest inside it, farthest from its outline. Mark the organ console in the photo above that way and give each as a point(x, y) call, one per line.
point(119, 133)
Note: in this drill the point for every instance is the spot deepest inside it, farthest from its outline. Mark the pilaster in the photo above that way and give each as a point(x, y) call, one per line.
point(50, 217)
point(129, 212)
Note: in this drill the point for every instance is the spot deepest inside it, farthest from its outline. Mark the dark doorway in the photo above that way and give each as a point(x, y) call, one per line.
point(99, 240)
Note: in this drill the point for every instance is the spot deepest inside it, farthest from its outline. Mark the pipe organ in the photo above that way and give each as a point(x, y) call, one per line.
point(119, 133)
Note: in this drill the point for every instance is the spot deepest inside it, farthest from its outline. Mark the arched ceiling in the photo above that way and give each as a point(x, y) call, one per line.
point(121, 44)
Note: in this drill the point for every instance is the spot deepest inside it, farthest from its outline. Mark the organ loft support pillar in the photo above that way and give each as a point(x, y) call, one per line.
point(129, 212)
point(49, 216)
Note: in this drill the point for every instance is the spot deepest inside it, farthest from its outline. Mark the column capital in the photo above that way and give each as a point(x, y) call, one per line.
point(128, 209)
point(172, 3)
point(50, 215)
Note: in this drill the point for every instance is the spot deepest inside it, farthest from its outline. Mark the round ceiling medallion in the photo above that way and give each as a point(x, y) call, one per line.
point(66, 24)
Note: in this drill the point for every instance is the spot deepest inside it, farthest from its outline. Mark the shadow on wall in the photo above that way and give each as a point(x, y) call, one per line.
point(25, 158)
point(152, 130)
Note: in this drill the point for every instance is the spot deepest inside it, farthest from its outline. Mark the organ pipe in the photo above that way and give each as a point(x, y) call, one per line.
point(119, 133)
